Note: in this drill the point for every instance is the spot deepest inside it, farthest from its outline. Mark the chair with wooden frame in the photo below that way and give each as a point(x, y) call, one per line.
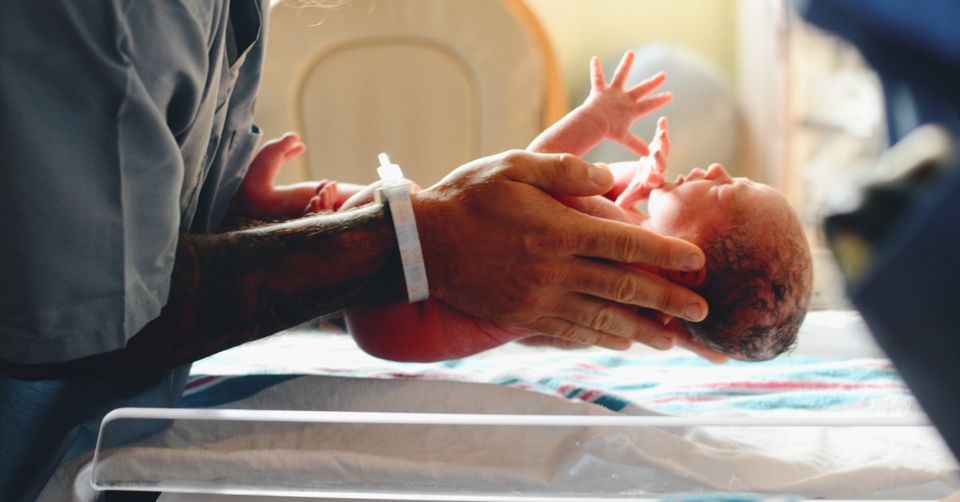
point(434, 83)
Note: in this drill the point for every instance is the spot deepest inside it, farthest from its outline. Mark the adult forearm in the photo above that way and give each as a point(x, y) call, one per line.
point(234, 287)
point(273, 277)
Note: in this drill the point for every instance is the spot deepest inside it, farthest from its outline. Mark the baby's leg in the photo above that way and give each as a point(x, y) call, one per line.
point(257, 194)
point(424, 332)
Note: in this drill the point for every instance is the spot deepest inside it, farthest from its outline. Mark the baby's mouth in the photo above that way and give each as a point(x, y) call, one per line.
point(667, 186)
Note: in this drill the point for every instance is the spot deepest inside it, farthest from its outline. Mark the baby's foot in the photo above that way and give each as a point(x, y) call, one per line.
point(325, 199)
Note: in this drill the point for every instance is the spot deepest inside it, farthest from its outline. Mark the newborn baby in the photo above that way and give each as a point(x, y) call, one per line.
point(757, 280)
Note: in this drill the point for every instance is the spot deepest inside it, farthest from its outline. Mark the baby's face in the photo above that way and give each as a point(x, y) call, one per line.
point(700, 203)
point(760, 280)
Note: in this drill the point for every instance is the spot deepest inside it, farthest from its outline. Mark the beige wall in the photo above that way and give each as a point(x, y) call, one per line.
point(582, 28)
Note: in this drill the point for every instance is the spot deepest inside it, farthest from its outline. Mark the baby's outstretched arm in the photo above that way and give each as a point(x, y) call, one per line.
point(608, 112)
point(259, 197)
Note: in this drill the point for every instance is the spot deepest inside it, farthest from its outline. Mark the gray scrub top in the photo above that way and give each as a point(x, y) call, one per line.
point(122, 124)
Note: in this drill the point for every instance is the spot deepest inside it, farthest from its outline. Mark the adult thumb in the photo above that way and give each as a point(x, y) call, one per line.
point(560, 174)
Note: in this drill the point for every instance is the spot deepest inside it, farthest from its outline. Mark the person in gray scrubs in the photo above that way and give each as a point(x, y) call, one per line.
point(127, 126)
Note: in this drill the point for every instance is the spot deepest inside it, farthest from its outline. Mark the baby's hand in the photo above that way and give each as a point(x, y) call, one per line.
point(616, 109)
point(257, 195)
point(650, 169)
point(652, 166)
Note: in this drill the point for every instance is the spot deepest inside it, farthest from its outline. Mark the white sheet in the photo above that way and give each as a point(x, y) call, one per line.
point(814, 463)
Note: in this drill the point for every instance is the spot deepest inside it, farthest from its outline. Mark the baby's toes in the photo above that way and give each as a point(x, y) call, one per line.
point(327, 193)
point(314, 205)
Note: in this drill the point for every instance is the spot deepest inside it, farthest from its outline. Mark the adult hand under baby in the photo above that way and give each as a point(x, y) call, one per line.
point(603, 207)
point(498, 245)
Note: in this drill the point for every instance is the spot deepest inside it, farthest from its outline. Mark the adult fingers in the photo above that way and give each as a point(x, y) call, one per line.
point(551, 341)
point(685, 340)
point(631, 286)
point(615, 319)
point(624, 243)
point(702, 351)
point(623, 69)
point(623, 174)
point(647, 86)
point(660, 162)
point(558, 173)
point(600, 207)
point(576, 333)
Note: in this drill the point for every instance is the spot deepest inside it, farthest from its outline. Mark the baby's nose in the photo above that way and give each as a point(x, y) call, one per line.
point(716, 171)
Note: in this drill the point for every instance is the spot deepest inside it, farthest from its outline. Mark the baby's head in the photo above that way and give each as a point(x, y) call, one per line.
point(759, 271)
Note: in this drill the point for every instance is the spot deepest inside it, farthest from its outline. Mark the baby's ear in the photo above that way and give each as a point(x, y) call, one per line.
point(688, 279)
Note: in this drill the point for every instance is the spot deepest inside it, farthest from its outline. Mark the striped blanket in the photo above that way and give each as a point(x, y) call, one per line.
point(834, 370)
point(640, 381)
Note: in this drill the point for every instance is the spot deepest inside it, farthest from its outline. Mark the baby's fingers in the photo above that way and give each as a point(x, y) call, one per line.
point(597, 79)
point(647, 86)
point(636, 143)
point(654, 180)
point(645, 106)
point(620, 75)
point(685, 340)
point(702, 351)
point(663, 136)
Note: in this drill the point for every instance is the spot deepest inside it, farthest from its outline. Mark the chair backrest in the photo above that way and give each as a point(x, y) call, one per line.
point(434, 83)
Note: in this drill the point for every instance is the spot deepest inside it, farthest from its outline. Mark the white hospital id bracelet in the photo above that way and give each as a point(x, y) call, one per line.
point(395, 189)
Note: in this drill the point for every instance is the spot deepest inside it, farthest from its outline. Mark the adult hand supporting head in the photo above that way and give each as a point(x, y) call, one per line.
point(500, 246)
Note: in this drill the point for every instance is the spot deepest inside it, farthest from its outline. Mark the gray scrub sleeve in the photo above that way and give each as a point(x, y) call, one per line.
point(96, 98)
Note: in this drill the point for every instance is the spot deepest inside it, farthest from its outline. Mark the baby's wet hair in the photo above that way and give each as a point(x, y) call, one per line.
point(758, 289)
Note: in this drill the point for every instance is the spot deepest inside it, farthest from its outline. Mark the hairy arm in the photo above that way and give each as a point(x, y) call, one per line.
point(234, 287)
point(493, 245)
